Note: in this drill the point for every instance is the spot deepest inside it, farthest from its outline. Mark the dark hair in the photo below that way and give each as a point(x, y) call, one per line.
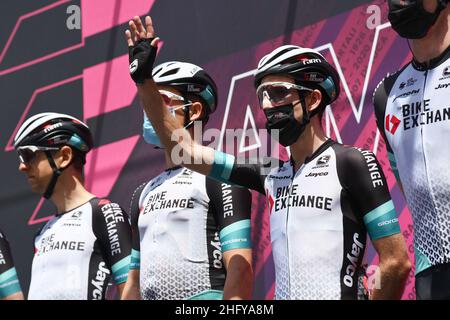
point(205, 112)
point(78, 158)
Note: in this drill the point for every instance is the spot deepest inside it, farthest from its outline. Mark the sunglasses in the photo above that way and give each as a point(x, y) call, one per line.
point(171, 100)
point(28, 153)
point(278, 92)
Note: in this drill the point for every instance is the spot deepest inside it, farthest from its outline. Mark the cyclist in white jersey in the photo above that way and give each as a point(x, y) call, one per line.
point(88, 241)
point(321, 202)
point(9, 282)
point(191, 233)
point(413, 115)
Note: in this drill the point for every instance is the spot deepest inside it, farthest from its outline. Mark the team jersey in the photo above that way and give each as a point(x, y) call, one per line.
point(319, 216)
point(9, 283)
point(79, 251)
point(182, 224)
point(412, 109)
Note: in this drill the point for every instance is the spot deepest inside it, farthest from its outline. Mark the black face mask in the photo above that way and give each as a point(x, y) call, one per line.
point(282, 119)
point(409, 18)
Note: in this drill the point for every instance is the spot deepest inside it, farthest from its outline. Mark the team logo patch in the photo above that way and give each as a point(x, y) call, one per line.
point(76, 214)
point(410, 82)
point(323, 160)
point(392, 123)
point(281, 169)
point(133, 66)
point(446, 71)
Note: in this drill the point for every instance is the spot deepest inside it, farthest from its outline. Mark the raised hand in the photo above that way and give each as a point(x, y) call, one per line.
point(142, 48)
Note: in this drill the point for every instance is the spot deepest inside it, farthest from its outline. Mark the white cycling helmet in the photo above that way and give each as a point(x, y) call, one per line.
point(189, 79)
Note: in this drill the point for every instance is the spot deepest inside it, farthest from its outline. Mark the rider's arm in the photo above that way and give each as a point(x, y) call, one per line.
point(232, 209)
point(112, 229)
point(132, 287)
point(9, 283)
point(218, 165)
point(364, 180)
point(166, 126)
point(177, 140)
point(380, 99)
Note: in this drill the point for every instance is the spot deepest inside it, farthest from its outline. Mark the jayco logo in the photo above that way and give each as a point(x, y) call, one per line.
point(317, 174)
point(442, 86)
point(99, 281)
point(217, 252)
point(353, 258)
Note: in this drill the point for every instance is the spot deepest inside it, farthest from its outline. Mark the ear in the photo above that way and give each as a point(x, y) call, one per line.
point(64, 157)
point(196, 111)
point(315, 98)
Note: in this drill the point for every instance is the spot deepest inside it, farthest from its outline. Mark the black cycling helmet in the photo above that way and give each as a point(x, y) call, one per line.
point(307, 66)
point(51, 131)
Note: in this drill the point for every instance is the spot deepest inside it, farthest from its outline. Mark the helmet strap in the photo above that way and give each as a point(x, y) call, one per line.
point(187, 119)
point(56, 173)
point(306, 115)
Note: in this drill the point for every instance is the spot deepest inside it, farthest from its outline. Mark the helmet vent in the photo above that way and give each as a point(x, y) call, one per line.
point(277, 55)
point(170, 72)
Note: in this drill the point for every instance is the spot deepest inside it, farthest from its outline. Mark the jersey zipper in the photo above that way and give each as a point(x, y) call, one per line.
point(294, 173)
point(426, 166)
point(287, 234)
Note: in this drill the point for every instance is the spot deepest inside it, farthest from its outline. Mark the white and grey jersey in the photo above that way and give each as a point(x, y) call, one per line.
point(412, 109)
point(319, 217)
point(77, 252)
point(182, 222)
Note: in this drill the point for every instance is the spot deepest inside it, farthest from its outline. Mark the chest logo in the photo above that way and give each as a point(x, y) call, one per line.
point(323, 160)
point(408, 83)
point(446, 71)
point(392, 123)
point(77, 214)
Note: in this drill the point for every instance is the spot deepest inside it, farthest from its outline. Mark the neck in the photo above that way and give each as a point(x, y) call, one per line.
point(168, 157)
point(310, 140)
point(69, 192)
point(169, 162)
point(435, 42)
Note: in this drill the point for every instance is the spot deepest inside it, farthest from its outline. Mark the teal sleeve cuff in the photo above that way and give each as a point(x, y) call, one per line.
point(120, 270)
point(236, 236)
point(393, 163)
point(222, 166)
point(207, 295)
point(9, 283)
point(382, 221)
point(135, 260)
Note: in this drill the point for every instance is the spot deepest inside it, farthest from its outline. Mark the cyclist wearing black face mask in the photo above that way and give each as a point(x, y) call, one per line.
point(413, 115)
point(323, 201)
